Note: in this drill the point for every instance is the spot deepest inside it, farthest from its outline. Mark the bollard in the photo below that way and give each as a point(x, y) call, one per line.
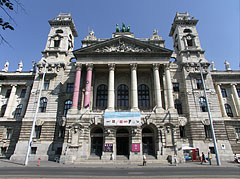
point(39, 159)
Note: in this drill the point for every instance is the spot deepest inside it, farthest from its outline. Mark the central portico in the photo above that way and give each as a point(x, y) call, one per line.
point(122, 95)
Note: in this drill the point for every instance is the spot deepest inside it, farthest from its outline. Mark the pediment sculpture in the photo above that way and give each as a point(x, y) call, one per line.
point(123, 47)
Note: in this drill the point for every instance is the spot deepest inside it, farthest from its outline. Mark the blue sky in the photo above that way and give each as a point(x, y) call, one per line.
point(218, 25)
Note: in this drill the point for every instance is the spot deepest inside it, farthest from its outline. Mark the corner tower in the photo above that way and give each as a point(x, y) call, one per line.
point(186, 41)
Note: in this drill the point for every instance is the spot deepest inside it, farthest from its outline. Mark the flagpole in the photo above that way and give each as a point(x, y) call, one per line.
point(35, 116)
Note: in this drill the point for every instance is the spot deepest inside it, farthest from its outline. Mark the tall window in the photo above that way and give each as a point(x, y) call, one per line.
point(43, 104)
point(7, 95)
point(56, 43)
point(67, 106)
point(23, 93)
point(9, 133)
point(70, 87)
point(122, 97)
point(199, 84)
point(224, 92)
point(189, 41)
point(228, 110)
point(203, 104)
point(46, 84)
point(178, 106)
point(38, 130)
point(143, 96)
point(208, 133)
point(3, 109)
point(238, 92)
point(182, 131)
point(102, 97)
point(175, 87)
point(18, 111)
point(237, 133)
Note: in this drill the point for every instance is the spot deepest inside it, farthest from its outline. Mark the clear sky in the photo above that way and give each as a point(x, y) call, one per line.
point(218, 25)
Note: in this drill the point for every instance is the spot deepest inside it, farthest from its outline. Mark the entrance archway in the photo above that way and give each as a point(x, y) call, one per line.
point(122, 140)
point(148, 141)
point(97, 141)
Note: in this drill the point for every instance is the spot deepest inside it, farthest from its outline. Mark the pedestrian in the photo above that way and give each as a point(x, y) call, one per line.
point(209, 158)
point(203, 158)
point(235, 158)
point(144, 160)
point(175, 159)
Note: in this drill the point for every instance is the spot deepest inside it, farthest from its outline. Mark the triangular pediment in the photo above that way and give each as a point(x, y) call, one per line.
point(122, 45)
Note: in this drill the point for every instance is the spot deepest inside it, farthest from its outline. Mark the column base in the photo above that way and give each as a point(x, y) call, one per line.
point(73, 110)
point(134, 110)
point(110, 110)
point(159, 110)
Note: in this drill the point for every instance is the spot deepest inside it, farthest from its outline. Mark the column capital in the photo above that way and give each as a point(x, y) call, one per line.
point(233, 84)
point(133, 66)
point(156, 66)
point(78, 66)
point(167, 66)
point(89, 66)
point(111, 66)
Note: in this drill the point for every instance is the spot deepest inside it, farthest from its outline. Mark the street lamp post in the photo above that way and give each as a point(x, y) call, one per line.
point(35, 116)
point(210, 117)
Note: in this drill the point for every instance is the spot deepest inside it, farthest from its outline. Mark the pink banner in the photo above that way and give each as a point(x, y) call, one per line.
point(136, 147)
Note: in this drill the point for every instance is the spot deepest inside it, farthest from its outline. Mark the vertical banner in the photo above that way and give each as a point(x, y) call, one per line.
point(108, 147)
point(136, 147)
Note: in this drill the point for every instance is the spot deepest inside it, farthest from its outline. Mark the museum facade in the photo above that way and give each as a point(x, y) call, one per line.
point(119, 98)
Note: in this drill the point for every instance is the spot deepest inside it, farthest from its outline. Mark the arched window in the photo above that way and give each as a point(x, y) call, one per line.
point(3, 109)
point(143, 96)
point(18, 111)
point(43, 104)
point(203, 104)
point(178, 106)
point(122, 97)
point(67, 106)
point(228, 110)
point(102, 96)
point(187, 31)
point(59, 31)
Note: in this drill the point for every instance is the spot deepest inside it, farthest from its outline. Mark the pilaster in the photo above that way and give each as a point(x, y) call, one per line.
point(235, 99)
point(11, 101)
point(219, 93)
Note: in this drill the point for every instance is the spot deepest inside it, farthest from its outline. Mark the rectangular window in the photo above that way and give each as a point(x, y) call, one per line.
point(224, 92)
point(212, 150)
point(33, 150)
point(23, 93)
point(182, 131)
point(70, 87)
point(237, 133)
point(208, 133)
point(8, 93)
point(56, 43)
point(3, 151)
point(238, 92)
point(38, 130)
point(46, 84)
point(199, 84)
point(175, 87)
point(61, 131)
point(9, 133)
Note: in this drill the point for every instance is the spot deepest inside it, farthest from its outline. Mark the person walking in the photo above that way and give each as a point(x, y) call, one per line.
point(203, 158)
point(144, 160)
point(209, 158)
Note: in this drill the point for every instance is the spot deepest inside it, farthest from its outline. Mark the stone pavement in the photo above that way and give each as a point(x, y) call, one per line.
point(9, 163)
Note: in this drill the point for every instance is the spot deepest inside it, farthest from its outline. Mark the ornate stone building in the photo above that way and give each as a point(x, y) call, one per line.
point(117, 98)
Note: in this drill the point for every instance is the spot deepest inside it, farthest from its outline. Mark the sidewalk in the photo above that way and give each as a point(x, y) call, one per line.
point(9, 163)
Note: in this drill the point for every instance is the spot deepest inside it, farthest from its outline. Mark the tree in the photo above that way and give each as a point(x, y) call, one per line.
point(7, 6)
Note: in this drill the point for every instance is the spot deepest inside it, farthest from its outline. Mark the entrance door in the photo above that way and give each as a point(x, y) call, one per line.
point(97, 146)
point(122, 146)
point(122, 140)
point(148, 141)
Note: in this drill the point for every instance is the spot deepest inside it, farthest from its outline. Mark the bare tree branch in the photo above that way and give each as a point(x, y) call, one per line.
point(3, 40)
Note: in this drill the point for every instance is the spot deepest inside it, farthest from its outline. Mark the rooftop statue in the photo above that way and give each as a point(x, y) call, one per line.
point(123, 28)
point(20, 66)
point(117, 28)
point(6, 65)
point(227, 66)
point(128, 28)
point(212, 66)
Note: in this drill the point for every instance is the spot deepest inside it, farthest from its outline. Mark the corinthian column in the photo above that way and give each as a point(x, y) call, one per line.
point(169, 87)
point(134, 90)
point(235, 99)
point(76, 86)
point(157, 88)
point(88, 86)
point(219, 93)
point(111, 93)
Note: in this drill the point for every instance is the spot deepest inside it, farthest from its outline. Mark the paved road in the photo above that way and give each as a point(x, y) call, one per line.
point(121, 172)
